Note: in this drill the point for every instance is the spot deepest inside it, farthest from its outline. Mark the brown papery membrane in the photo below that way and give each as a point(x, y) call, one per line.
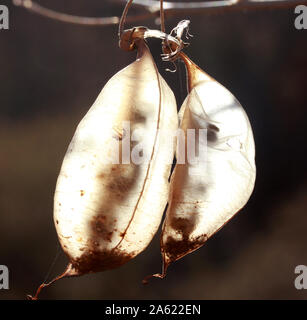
point(206, 194)
point(107, 212)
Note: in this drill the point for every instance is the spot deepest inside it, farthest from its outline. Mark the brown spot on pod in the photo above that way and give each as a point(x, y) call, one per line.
point(101, 228)
point(174, 249)
point(97, 260)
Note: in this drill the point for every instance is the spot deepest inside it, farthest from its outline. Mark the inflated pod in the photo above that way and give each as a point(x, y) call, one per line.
point(108, 203)
point(205, 194)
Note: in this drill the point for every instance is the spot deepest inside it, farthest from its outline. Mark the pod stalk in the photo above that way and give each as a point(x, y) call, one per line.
point(70, 271)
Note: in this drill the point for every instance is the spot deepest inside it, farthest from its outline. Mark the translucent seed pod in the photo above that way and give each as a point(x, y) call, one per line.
point(108, 203)
point(207, 191)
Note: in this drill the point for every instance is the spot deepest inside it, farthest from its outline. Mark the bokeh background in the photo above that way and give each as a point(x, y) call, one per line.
point(52, 72)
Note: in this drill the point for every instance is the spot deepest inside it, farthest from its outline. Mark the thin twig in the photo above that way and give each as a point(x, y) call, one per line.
point(162, 20)
point(162, 23)
point(63, 17)
point(67, 18)
point(152, 9)
point(123, 18)
point(218, 5)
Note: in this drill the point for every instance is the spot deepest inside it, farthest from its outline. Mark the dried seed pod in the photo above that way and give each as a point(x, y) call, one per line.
point(205, 194)
point(107, 212)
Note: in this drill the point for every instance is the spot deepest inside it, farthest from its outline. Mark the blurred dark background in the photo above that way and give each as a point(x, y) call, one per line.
point(52, 72)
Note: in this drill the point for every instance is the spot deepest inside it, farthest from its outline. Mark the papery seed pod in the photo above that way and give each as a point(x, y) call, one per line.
point(107, 212)
point(207, 193)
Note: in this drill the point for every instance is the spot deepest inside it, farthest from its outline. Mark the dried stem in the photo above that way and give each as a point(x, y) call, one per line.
point(152, 9)
point(162, 20)
point(123, 18)
point(70, 271)
point(216, 6)
point(42, 11)
point(67, 18)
